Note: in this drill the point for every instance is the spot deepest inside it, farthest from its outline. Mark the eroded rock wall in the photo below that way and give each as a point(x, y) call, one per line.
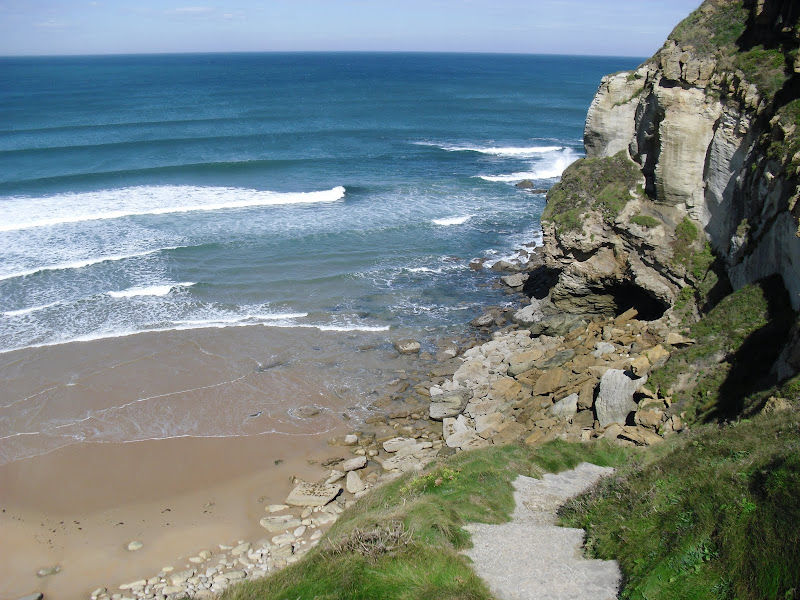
point(704, 138)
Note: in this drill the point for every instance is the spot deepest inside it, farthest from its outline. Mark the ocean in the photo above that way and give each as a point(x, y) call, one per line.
point(320, 194)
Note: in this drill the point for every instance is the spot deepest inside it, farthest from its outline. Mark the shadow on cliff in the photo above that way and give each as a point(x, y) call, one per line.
point(751, 365)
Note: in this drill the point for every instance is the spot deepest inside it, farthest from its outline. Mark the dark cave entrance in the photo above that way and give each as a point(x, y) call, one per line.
point(628, 296)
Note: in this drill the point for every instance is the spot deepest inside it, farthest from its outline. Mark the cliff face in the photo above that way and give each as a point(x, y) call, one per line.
point(710, 122)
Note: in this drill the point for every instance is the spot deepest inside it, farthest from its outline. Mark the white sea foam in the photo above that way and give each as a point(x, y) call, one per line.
point(152, 290)
point(79, 264)
point(513, 151)
point(18, 213)
point(547, 167)
point(27, 311)
point(281, 320)
point(452, 220)
point(346, 327)
point(238, 321)
point(511, 177)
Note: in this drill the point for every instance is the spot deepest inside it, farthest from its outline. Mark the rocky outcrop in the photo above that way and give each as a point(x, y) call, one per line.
point(712, 131)
point(610, 122)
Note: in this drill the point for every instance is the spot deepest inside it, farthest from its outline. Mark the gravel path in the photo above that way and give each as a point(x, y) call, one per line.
point(531, 558)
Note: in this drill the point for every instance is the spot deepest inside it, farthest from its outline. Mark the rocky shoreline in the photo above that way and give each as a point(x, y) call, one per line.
point(528, 375)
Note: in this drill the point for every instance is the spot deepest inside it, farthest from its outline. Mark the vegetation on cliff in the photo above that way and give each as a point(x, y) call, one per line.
point(726, 373)
point(602, 184)
point(723, 30)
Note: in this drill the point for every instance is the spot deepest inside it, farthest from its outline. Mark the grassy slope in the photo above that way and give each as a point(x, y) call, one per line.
point(715, 514)
point(402, 540)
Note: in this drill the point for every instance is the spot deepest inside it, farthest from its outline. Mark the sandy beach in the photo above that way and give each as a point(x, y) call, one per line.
point(94, 478)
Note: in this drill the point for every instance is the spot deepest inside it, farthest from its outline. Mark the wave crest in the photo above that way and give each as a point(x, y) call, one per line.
point(152, 290)
point(511, 151)
point(18, 213)
point(452, 220)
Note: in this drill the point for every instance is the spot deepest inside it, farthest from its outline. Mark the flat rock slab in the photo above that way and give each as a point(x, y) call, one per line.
point(273, 524)
point(311, 494)
point(531, 558)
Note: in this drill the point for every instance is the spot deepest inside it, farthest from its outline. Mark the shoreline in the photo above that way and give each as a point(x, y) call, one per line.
point(524, 373)
point(77, 506)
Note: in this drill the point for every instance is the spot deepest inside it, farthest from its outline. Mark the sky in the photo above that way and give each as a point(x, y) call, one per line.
point(597, 27)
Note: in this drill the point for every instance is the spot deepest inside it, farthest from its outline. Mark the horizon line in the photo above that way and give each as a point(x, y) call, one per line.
point(210, 52)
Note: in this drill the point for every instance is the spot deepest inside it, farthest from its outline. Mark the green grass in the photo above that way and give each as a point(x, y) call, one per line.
point(430, 509)
point(645, 221)
point(784, 149)
point(701, 261)
point(601, 184)
point(766, 68)
point(686, 234)
point(737, 342)
point(715, 31)
point(718, 26)
point(713, 514)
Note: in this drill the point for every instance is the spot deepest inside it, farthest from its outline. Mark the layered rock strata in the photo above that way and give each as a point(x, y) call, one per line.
point(712, 147)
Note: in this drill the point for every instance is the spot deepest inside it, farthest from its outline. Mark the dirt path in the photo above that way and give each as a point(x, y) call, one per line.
point(530, 558)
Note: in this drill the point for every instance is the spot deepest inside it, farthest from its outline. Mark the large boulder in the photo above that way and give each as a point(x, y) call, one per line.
point(310, 494)
point(565, 408)
point(615, 398)
point(449, 404)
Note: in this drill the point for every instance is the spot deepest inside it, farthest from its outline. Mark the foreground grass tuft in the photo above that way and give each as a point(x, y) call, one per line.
point(402, 540)
point(715, 514)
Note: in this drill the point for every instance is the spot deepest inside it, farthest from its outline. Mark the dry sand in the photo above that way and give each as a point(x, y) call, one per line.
point(79, 506)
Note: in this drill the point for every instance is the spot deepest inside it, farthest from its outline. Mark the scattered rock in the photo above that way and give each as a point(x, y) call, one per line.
point(350, 439)
point(523, 361)
point(657, 355)
point(603, 348)
point(448, 404)
point(354, 483)
point(395, 444)
point(615, 398)
point(135, 545)
point(273, 524)
point(504, 265)
point(640, 366)
point(310, 494)
point(466, 440)
point(407, 346)
point(307, 412)
point(47, 571)
point(485, 320)
point(676, 339)
point(516, 281)
point(180, 577)
point(359, 462)
point(565, 408)
point(476, 264)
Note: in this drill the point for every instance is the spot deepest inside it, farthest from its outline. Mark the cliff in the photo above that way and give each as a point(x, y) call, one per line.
point(691, 173)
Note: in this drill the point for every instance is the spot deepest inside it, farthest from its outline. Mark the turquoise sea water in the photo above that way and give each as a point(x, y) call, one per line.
point(336, 191)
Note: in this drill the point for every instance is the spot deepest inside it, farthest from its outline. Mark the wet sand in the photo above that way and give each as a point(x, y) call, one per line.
point(76, 493)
